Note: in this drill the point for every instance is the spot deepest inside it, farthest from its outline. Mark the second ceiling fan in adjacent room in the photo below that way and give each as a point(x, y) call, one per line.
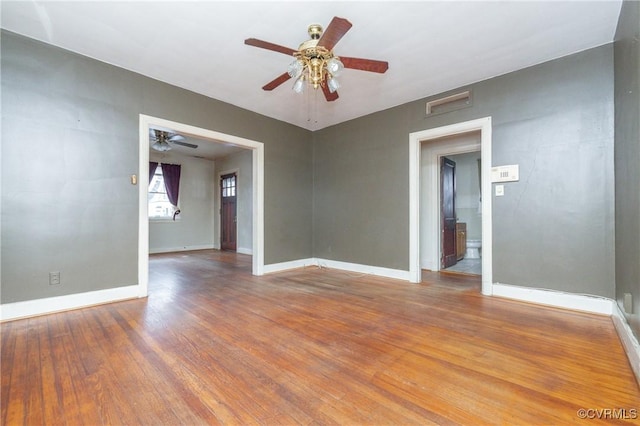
point(161, 140)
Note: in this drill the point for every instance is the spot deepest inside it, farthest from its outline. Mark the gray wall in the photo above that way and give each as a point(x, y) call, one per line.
point(627, 158)
point(361, 196)
point(243, 163)
point(194, 227)
point(69, 145)
point(552, 229)
point(340, 193)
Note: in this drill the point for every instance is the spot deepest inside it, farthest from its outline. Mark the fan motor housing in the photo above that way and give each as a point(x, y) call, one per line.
point(315, 31)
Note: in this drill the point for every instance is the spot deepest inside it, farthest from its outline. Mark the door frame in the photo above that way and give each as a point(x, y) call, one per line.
point(145, 122)
point(218, 200)
point(415, 143)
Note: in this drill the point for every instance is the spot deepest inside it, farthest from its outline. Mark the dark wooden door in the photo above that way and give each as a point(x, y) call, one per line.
point(228, 209)
point(448, 211)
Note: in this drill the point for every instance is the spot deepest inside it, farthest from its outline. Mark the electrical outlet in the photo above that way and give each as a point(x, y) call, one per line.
point(54, 278)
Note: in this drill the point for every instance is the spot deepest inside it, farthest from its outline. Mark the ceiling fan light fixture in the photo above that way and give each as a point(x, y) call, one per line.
point(314, 63)
point(298, 86)
point(161, 146)
point(335, 66)
point(295, 68)
point(333, 84)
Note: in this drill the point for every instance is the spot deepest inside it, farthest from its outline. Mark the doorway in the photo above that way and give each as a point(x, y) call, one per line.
point(257, 148)
point(228, 212)
point(465, 222)
point(431, 244)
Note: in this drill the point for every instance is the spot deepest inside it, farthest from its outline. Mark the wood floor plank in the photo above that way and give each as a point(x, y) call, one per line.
point(77, 394)
point(7, 342)
point(182, 391)
point(16, 409)
point(53, 407)
point(213, 344)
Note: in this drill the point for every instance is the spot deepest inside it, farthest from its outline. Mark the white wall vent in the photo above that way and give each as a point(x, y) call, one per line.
point(449, 103)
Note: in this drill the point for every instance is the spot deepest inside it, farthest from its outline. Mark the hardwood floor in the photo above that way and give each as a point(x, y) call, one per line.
point(213, 344)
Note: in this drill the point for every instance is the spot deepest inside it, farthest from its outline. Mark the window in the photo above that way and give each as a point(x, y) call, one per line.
point(229, 185)
point(159, 205)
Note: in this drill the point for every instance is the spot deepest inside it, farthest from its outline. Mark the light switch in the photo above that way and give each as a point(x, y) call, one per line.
point(499, 190)
point(627, 303)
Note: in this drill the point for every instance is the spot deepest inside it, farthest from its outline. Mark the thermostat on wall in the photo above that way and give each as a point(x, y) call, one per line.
point(505, 173)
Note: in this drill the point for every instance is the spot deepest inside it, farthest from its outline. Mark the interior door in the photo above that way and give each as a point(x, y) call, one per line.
point(228, 209)
point(448, 211)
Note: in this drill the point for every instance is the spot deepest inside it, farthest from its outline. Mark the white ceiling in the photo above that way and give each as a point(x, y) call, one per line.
point(431, 46)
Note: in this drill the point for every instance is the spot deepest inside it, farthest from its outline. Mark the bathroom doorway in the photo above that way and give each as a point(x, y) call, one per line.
point(461, 213)
point(424, 235)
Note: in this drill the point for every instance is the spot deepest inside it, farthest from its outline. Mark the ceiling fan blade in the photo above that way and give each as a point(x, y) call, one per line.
point(277, 82)
point(330, 97)
point(365, 64)
point(337, 28)
point(188, 145)
point(152, 134)
point(269, 46)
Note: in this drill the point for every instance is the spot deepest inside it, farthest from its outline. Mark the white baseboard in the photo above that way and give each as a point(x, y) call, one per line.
point(343, 266)
point(157, 250)
point(293, 264)
point(49, 305)
point(429, 265)
point(364, 269)
point(579, 302)
point(629, 341)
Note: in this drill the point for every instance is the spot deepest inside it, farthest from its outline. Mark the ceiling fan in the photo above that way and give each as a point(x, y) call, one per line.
point(161, 140)
point(315, 62)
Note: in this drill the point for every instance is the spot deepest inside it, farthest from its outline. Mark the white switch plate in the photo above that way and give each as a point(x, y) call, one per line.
point(627, 303)
point(499, 190)
point(505, 173)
